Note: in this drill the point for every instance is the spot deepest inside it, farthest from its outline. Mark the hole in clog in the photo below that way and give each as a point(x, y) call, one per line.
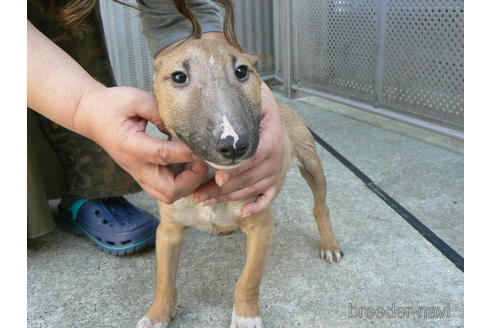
point(126, 242)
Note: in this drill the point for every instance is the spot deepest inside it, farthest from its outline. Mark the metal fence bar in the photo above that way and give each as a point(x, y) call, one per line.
point(384, 112)
point(276, 9)
point(381, 33)
point(286, 37)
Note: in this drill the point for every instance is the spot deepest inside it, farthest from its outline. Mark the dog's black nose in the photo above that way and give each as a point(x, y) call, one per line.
point(231, 149)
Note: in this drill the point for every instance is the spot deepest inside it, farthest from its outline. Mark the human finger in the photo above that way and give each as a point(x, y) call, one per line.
point(250, 191)
point(260, 204)
point(158, 151)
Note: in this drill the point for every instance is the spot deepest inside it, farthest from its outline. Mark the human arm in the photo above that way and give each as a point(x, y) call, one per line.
point(61, 90)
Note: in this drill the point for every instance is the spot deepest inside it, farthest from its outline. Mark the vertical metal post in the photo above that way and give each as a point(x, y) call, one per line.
point(381, 33)
point(286, 54)
point(276, 39)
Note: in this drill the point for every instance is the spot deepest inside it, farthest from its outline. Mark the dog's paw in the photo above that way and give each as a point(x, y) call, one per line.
point(242, 322)
point(331, 256)
point(146, 323)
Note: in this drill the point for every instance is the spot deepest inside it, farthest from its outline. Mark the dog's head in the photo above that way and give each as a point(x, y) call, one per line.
point(209, 96)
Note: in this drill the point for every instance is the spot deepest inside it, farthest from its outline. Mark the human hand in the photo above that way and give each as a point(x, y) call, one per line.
point(260, 176)
point(116, 119)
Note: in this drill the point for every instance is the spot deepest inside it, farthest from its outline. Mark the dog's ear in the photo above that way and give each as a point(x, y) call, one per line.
point(158, 62)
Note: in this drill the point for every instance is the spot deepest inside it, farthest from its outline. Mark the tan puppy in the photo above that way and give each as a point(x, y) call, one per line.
point(210, 97)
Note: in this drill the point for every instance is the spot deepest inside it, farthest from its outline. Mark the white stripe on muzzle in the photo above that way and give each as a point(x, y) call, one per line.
point(228, 131)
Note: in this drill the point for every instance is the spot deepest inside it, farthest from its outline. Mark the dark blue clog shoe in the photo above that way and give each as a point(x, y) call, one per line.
point(112, 224)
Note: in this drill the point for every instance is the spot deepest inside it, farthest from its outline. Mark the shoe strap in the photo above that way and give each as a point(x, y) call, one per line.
point(75, 207)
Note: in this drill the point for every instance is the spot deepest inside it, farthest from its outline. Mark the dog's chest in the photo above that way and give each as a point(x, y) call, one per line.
point(208, 218)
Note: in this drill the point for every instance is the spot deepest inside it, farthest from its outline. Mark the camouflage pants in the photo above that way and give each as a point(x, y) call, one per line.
point(61, 163)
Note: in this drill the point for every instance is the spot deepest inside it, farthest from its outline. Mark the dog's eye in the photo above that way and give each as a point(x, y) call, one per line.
point(241, 72)
point(179, 77)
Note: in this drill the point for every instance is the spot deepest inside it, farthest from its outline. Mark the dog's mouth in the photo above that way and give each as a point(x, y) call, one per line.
point(225, 167)
point(210, 150)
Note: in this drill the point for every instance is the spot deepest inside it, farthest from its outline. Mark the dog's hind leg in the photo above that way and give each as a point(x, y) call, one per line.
point(258, 229)
point(170, 236)
point(312, 170)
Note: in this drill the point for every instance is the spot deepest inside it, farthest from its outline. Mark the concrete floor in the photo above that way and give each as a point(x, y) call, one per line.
point(387, 263)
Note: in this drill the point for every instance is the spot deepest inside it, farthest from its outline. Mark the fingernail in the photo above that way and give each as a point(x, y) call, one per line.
point(221, 179)
point(245, 214)
point(210, 202)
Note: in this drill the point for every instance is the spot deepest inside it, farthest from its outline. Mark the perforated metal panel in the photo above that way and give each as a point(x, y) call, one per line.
point(423, 58)
point(399, 55)
point(336, 46)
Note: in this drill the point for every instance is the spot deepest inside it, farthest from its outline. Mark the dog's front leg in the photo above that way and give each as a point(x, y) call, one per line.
point(170, 236)
point(259, 230)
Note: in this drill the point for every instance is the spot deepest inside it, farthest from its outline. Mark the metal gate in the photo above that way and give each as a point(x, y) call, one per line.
point(400, 58)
